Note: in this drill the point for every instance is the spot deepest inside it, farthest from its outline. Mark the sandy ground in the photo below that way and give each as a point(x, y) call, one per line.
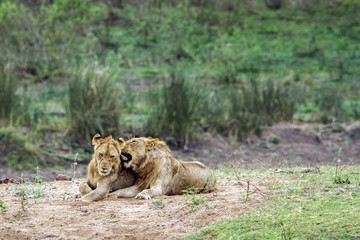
point(61, 215)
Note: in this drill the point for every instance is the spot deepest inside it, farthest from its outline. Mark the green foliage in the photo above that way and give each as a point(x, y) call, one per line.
point(17, 151)
point(17, 107)
point(246, 109)
point(341, 177)
point(218, 44)
point(3, 206)
point(159, 202)
point(9, 101)
point(175, 109)
point(92, 104)
point(193, 199)
point(30, 190)
point(330, 102)
point(36, 177)
point(38, 41)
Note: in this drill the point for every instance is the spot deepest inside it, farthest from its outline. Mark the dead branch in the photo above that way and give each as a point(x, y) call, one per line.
point(247, 190)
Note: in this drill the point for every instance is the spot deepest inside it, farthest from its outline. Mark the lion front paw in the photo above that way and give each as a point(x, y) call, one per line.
point(143, 196)
point(86, 199)
point(113, 195)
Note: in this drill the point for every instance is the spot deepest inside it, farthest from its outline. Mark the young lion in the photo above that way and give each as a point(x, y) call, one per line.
point(105, 171)
point(157, 171)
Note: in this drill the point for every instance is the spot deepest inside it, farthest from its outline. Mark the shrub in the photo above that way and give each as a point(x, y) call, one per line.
point(92, 105)
point(8, 97)
point(17, 109)
point(175, 110)
point(331, 104)
point(241, 110)
point(18, 152)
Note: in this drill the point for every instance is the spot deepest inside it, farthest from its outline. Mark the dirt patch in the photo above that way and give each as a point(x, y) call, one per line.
point(279, 146)
point(60, 215)
point(282, 145)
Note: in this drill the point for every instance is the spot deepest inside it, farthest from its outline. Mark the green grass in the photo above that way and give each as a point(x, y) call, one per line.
point(221, 48)
point(314, 207)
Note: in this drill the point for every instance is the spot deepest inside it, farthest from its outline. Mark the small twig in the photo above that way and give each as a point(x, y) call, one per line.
point(308, 170)
point(23, 203)
point(74, 166)
point(282, 171)
point(257, 189)
point(247, 190)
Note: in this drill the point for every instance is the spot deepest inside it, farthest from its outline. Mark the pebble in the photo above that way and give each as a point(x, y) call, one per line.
point(61, 177)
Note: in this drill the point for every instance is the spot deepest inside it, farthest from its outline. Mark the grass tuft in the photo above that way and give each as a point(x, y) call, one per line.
point(92, 105)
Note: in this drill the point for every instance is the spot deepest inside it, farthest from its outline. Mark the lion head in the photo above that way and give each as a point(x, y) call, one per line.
point(135, 151)
point(107, 154)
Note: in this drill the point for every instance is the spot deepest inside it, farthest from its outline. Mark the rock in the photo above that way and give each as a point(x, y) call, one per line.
point(61, 177)
point(272, 138)
point(85, 210)
point(19, 180)
point(6, 180)
point(354, 130)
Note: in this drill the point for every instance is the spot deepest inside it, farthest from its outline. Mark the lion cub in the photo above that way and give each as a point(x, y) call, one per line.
point(157, 171)
point(105, 170)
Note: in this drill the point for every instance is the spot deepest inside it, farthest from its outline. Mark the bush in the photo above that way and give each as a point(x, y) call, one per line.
point(19, 153)
point(248, 108)
point(331, 104)
point(17, 109)
point(8, 98)
point(92, 105)
point(175, 110)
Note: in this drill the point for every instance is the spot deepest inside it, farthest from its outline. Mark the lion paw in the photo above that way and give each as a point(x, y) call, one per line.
point(85, 199)
point(113, 195)
point(143, 196)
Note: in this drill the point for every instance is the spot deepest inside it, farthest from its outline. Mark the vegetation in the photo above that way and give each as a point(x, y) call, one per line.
point(174, 69)
point(193, 199)
point(3, 206)
point(313, 207)
point(176, 110)
point(92, 105)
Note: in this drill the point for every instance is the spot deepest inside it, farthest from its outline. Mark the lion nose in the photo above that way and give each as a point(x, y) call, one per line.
point(103, 168)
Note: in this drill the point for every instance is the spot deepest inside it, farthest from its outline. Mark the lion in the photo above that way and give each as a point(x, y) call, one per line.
point(157, 171)
point(105, 171)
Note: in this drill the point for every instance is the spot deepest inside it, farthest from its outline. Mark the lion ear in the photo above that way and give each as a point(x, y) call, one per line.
point(96, 139)
point(151, 143)
point(121, 142)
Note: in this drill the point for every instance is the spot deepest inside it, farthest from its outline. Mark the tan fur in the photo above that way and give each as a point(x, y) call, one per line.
point(105, 171)
point(158, 172)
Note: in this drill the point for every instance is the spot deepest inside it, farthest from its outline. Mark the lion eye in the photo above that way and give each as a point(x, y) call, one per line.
point(111, 157)
point(101, 155)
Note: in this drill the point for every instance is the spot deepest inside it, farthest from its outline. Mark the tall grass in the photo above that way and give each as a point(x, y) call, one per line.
point(331, 104)
point(236, 111)
point(92, 104)
point(8, 98)
point(175, 110)
point(17, 151)
point(17, 108)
